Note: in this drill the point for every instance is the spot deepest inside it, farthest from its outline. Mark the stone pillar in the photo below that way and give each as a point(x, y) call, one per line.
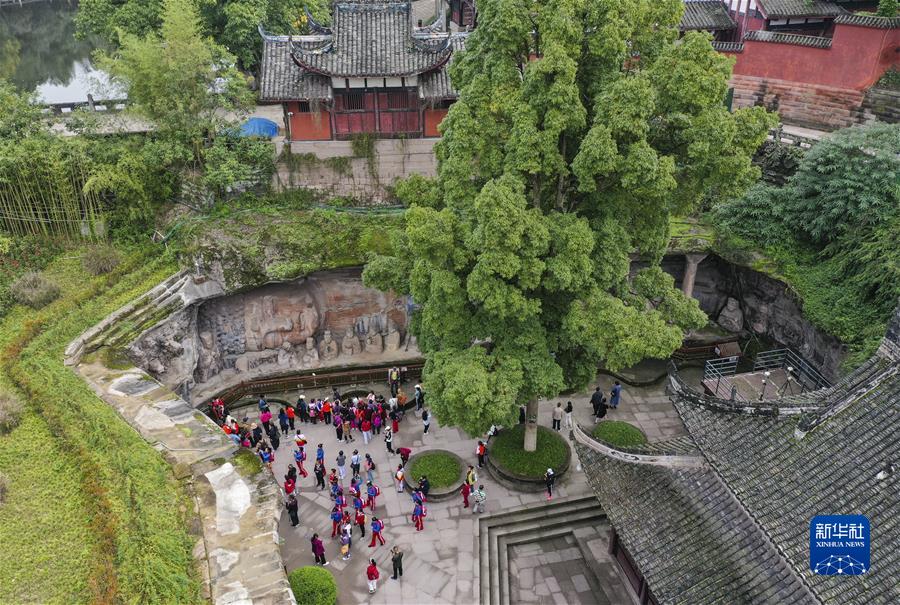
point(691, 261)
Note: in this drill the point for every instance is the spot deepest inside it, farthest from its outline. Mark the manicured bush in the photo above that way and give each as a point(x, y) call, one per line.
point(101, 259)
point(506, 451)
point(34, 290)
point(616, 432)
point(442, 470)
point(313, 586)
point(10, 411)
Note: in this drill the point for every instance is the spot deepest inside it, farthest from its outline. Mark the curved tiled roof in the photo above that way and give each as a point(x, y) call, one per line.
point(782, 38)
point(709, 15)
point(372, 39)
point(687, 533)
point(281, 80)
point(869, 21)
point(776, 9)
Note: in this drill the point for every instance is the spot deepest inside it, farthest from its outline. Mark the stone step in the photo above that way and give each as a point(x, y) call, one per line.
point(523, 519)
point(496, 553)
point(542, 533)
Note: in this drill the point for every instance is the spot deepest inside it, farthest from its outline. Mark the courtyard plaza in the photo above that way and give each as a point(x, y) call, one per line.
point(441, 564)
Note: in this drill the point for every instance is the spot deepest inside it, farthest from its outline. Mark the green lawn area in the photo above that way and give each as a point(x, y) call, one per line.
point(441, 469)
point(506, 451)
point(616, 432)
point(94, 513)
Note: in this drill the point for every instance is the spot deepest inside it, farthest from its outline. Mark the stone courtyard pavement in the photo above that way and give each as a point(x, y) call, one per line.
point(441, 563)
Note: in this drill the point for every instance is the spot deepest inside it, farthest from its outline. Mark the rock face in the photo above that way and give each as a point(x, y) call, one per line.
point(770, 309)
point(731, 317)
point(326, 319)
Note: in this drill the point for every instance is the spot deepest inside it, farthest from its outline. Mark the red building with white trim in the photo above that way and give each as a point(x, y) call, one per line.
point(372, 72)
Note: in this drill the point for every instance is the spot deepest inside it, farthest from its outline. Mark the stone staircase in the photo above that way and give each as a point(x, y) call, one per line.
point(520, 525)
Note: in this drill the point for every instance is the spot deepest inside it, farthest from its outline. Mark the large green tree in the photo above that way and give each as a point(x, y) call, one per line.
point(581, 127)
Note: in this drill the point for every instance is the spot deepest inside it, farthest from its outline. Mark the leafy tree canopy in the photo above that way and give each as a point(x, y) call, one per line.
point(580, 129)
point(233, 23)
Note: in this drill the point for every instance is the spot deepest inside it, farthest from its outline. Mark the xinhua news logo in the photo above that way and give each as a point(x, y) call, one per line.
point(839, 545)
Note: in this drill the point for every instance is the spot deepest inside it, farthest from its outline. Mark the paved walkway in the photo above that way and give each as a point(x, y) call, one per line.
point(441, 563)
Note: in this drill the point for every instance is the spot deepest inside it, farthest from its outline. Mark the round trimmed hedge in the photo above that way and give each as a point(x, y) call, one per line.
point(617, 432)
point(506, 452)
point(313, 586)
point(441, 468)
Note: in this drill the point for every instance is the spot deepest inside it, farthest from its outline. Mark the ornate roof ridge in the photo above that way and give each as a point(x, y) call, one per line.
point(630, 456)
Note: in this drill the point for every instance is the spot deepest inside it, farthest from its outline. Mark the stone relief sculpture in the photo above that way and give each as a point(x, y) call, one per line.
point(350, 344)
point(328, 348)
point(325, 319)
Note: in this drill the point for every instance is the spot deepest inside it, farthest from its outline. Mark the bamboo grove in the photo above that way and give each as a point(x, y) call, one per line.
point(46, 196)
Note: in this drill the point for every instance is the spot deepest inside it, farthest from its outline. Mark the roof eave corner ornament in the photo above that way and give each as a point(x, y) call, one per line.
point(314, 25)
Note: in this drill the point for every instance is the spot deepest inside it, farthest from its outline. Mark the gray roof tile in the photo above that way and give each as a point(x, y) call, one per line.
point(775, 9)
point(709, 15)
point(373, 39)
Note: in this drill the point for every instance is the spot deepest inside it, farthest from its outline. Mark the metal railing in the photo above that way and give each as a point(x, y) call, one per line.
point(798, 368)
point(717, 375)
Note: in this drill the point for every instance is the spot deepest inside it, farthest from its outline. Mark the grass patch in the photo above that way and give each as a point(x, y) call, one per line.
point(506, 451)
point(134, 519)
point(246, 462)
point(616, 432)
point(442, 470)
point(313, 586)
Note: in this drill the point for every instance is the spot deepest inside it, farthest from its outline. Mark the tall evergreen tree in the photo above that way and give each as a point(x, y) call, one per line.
point(581, 127)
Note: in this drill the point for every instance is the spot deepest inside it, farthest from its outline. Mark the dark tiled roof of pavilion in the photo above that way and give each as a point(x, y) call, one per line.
point(372, 39)
point(777, 9)
point(708, 535)
point(708, 15)
point(688, 535)
point(436, 85)
point(282, 80)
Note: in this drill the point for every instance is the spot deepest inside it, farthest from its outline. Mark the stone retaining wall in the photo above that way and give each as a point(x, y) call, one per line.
point(331, 167)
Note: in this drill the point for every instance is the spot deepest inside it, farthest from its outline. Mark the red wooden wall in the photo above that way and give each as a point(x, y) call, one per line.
point(858, 57)
point(313, 126)
point(433, 117)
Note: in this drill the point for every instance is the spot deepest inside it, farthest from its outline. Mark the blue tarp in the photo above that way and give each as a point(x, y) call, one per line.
point(259, 127)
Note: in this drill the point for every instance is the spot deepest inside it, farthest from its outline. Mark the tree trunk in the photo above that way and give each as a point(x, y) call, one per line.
point(531, 412)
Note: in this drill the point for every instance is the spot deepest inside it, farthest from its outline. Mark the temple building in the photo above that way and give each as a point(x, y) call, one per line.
point(710, 16)
point(372, 72)
point(724, 514)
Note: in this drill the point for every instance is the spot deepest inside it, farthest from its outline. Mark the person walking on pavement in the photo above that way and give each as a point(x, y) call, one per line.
point(471, 477)
point(399, 477)
point(397, 562)
point(549, 479)
point(355, 462)
point(370, 468)
point(480, 451)
point(372, 492)
point(377, 527)
point(318, 549)
point(614, 395)
point(596, 399)
point(557, 416)
point(426, 421)
point(389, 440)
point(404, 452)
point(418, 516)
point(293, 510)
point(419, 397)
point(568, 411)
point(319, 470)
point(466, 490)
point(479, 497)
point(360, 520)
point(372, 575)
point(341, 461)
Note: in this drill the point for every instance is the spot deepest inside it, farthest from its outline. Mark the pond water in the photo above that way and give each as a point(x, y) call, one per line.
point(39, 52)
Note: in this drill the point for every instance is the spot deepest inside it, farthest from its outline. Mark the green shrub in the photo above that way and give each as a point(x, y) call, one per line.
point(313, 586)
point(618, 433)
point(442, 470)
point(34, 290)
point(10, 411)
point(4, 483)
point(507, 452)
point(99, 260)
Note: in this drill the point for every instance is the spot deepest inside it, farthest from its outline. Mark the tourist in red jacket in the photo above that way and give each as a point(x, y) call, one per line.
point(372, 575)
